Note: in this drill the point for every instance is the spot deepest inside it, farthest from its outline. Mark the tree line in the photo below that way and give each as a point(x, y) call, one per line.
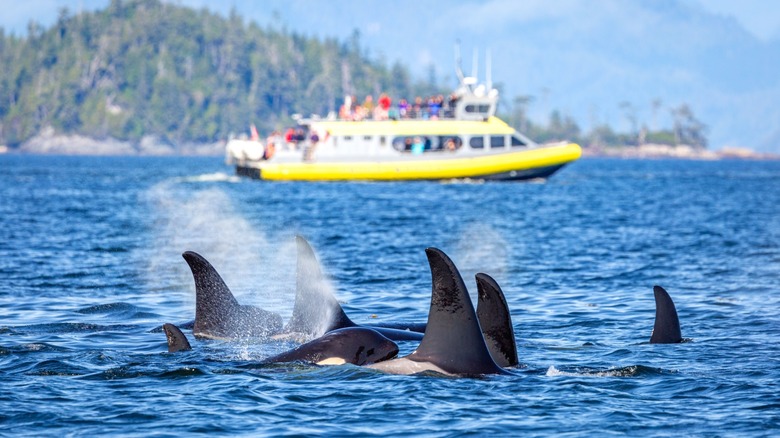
point(686, 128)
point(144, 67)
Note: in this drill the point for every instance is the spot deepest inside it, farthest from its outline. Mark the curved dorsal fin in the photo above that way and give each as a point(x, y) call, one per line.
point(667, 325)
point(214, 303)
point(316, 311)
point(453, 339)
point(176, 339)
point(496, 323)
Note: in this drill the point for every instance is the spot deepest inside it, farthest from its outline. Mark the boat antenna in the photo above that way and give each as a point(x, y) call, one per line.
point(488, 72)
point(458, 70)
point(475, 64)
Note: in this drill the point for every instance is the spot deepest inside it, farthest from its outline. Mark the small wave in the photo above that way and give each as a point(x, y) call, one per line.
point(627, 371)
point(56, 368)
point(213, 177)
point(72, 327)
point(182, 372)
point(38, 347)
point(108, 308)
point(462, 181)
point(109, 249)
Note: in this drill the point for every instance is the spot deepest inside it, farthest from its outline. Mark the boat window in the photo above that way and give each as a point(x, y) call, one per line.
point(517, 141)
point(382, 140)
point(477, 108)
point(450, 143)
point(415, 144)
point(477, 142)
point(496, 141)
point(367, 137)
point(347, 137)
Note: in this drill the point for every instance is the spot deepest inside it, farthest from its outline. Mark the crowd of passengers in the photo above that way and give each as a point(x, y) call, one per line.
point(430, 108)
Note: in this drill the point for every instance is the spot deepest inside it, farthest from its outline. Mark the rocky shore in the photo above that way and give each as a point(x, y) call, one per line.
point(650, 151)
point(50, 142)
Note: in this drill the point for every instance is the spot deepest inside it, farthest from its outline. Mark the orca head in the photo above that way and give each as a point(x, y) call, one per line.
point(666, 329)
point(359, 346)
point(355, 345)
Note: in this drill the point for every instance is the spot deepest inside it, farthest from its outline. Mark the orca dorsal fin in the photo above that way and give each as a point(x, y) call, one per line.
point(667, 325)
point(453, 338)
point(215, 305)
point(176, 339)
point(495, 321)
point(316, 311)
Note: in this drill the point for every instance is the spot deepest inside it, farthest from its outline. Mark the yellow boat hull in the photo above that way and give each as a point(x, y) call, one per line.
point(526, 164)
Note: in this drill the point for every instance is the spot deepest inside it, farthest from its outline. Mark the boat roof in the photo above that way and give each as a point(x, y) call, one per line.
point(491, 126)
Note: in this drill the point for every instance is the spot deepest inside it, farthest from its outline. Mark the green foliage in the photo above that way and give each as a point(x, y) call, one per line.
point(687, 129)
point(144, 67)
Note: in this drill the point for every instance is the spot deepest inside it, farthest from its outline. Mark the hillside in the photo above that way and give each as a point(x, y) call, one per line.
point(147, 69)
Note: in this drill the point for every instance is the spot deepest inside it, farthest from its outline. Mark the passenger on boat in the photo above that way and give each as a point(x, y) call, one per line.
point(403, 108)
point(272, 143)
point(289, 138)
point(368, 106)
point(418, 146)
point(449, 145)
point(270, 148)
point(417, 108)
point(434, 106)
point(309, 152)
point(382, 111)
point(345, 112)
point(356, 109)
point(452, 102)
point(385, 101)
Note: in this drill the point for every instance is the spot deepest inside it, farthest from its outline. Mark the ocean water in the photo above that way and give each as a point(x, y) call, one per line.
point(90, 264)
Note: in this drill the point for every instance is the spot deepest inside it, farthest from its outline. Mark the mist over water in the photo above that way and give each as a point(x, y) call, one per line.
point(258, 270)
point(90, 258)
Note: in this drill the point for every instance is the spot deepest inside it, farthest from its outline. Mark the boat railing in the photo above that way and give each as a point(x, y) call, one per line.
point(459, 106)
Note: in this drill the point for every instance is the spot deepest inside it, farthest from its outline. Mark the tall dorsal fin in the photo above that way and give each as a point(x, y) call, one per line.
point(215, 305)
point(316, 311)
point(496, 323)
point(176, 339)
point(667, 325)
point(453, 339)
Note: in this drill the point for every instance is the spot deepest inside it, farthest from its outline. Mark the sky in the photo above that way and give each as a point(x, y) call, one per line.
point(584, 57)
point(759, 17)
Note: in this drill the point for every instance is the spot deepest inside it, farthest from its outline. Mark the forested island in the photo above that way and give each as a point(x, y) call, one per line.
point(146, 77)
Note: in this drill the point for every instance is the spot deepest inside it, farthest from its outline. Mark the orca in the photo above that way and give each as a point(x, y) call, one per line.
point(667, 325)
point(176, 339)
point(218, 315)
point(495, 321)
point(354, 345)
point(453, 343)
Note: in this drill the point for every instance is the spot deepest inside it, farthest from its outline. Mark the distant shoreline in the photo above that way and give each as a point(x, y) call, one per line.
point(682, 152)
point(49, 143)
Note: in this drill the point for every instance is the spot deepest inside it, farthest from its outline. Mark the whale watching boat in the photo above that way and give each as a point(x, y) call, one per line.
point(457, 138)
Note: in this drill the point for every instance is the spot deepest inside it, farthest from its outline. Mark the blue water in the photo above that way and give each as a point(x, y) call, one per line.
point(90, 263)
